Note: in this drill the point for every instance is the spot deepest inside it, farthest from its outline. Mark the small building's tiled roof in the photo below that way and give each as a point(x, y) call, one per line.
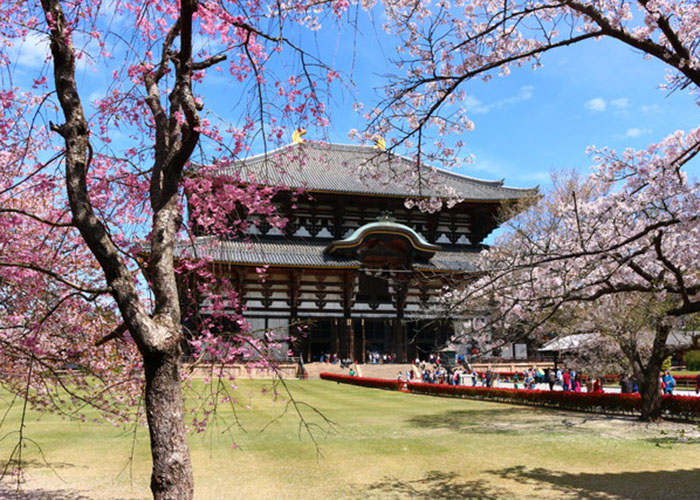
point(341, 168)
point(300, 254)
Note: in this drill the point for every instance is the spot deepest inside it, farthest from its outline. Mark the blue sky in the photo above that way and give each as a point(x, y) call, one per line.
point(526, 124)
point(531, 123)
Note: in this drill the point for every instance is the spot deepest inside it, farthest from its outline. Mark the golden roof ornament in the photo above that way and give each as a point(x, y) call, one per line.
point(379, 142)
point(297, 135)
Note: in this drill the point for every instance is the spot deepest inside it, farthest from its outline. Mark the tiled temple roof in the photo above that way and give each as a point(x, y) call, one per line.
point(284, 253)
point(341, 168)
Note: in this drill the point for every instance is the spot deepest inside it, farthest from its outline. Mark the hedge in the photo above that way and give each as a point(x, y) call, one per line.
point(692, 360)
point(686, 380)
point(685, 407)
point(378, 383)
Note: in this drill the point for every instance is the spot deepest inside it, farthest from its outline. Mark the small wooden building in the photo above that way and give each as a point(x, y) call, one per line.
point(354, 262)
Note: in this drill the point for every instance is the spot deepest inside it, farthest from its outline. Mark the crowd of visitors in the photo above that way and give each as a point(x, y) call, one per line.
point(432, 371)
point(334, 360)
point(532, 378)
point(372, 357)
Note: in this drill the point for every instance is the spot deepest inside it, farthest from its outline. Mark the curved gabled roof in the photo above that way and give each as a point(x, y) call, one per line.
point(342, 168)
point(383, 228)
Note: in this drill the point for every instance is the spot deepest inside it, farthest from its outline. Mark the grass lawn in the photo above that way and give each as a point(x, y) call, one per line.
point(382, 445)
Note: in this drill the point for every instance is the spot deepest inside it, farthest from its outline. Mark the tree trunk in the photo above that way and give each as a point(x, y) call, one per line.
point(649, 387)
point(172, 469)
point(651, 395)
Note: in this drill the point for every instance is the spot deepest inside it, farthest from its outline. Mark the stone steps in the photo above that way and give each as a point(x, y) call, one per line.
point(388, 371)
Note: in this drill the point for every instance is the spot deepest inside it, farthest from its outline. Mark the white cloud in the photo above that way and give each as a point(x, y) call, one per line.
point(31, 53)
point(653, 108)
point(597, 104)
point(95, 95)
point(620, 103)
point(486, 167)
point(475, 106)
point(540, 176)
point(636, 132)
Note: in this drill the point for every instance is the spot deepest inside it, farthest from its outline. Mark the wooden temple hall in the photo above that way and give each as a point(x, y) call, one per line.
point(362, 270)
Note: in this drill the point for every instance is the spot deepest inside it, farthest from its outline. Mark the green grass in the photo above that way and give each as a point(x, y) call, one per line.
point(382, 445)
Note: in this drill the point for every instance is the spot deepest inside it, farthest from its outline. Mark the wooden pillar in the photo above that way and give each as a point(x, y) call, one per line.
point(351, 338)
point(307, 343)
point(388, 334)
point(346, 341)
point(400, 287)
point(339, 218)
point(293, 329)
point(363, 355)
point(410, 348)
point(403, 355)
point(336, 337)
point(432, 227)
point(398, 344)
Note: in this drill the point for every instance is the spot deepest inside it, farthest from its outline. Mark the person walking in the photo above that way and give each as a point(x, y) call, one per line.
point(669, 382)
point(566, 380)
point(551, 378)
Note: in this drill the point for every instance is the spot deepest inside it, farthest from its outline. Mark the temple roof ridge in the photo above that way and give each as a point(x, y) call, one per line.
point(325, 168)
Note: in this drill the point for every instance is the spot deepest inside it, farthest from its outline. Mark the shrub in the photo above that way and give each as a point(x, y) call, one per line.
point(692, 360)
point(377, 383)
point(686, 407)
point(666, 365)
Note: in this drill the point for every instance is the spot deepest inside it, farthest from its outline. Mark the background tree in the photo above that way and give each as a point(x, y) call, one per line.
point(613, 254)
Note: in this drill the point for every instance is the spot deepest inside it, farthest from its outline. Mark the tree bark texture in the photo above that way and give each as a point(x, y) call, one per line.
point(172, 470)
point(171, 478)
point(650, 392)
point(649, 386)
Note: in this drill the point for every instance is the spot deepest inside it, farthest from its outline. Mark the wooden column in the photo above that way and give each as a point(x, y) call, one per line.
point(346, 341)
point(336, 337)
point(388, 335)
point(400, 286)
point(339, 218)
point(348, 301)
point(363, 355)
point(350, 332)
point(398, 339)
point(293, 328)
point(307, 344)
point(432, 227)
point(410, 348)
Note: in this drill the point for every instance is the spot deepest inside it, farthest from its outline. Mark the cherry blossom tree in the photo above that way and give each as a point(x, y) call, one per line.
point(618, 333)
point(614, 254)
point(98, 175)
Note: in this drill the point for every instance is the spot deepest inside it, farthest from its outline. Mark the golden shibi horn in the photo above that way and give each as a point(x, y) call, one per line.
point(379, 142)
point(297, 135)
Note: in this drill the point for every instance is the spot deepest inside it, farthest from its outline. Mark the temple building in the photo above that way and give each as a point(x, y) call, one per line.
point(359, 264)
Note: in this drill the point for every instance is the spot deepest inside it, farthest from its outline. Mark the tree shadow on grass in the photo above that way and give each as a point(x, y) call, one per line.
point(676, 485)
point(34, 463)
point(505, 420)
point(10, 491)
point(434, 484)
point(458, 420)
